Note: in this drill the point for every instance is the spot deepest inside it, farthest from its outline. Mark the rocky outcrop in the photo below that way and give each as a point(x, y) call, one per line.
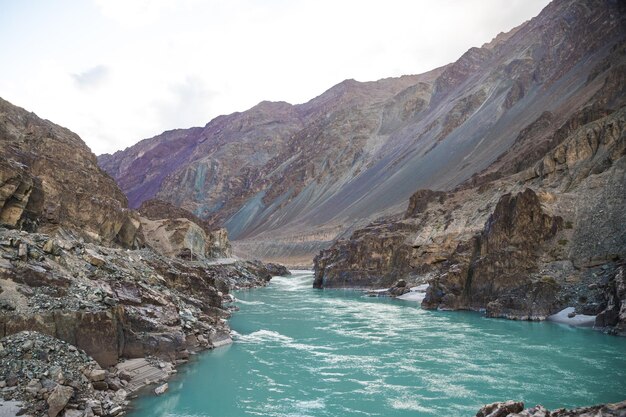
point(278, 173)
point(373, 257)
point(173, 231)
point(494, 269)
point(113, 303)
point(218, 244)
point(21, 196)
point(516, 409)
point(613, 316)
point(277, 270)
point(175, 237)
point(50, 180)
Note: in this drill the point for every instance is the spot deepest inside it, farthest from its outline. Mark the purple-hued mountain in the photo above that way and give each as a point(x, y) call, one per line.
point(287, 180)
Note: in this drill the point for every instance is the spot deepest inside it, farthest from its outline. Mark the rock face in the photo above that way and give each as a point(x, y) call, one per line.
point(519, 245)
point(516, 409)
point(494, 269)
point(613, 317)
point(173, 231)
point(286, 181)
point(49, 179)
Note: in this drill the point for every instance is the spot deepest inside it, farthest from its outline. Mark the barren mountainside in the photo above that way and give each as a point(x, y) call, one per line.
point(50, 180)
point(286, 180)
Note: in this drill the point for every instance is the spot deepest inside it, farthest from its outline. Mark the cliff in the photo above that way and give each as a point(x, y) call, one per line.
point(50, 180)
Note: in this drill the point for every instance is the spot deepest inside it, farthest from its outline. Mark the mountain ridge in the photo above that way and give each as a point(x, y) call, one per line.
point(359, 150)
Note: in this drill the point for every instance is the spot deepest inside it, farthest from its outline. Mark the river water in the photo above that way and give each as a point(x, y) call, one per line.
point(304, 352)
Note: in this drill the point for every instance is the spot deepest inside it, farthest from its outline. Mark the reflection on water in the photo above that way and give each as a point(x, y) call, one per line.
point(305, 352)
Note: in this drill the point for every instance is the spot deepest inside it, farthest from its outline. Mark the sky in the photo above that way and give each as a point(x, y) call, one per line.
point(118, 71)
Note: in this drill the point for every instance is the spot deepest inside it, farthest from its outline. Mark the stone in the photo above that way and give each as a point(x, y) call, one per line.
point(22, 251)
point(33, 387)
point(95, 406)
point(500, 409)
point(114, 384)
point(94, 259)
point(515, 409)
point(161, 389)
point(97, 375)
point(50, 247)
point(73, 413)
point(125, 375)
point(115, 410)
point(120, 395)
point(176, 237)
point(58, 399)
point(100, 385)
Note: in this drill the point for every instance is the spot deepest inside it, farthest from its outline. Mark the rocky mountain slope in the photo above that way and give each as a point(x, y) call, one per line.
point(518, 242)
point(50, 180)
point(81, 272)
point(287, 180)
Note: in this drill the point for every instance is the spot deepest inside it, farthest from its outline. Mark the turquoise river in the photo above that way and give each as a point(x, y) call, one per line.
point(303, 352)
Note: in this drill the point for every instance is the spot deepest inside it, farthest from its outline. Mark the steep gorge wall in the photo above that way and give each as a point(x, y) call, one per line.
point(49, 179)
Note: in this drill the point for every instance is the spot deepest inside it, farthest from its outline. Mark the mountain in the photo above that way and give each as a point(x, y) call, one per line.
point(542, 227)
point(287, 180)
point(50, 180)
point(86, 282)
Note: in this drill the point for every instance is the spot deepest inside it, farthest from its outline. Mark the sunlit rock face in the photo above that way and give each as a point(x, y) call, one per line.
point(173, 231)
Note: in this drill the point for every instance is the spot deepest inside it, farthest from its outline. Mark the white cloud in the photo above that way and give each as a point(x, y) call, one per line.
point(91, 78)
point(117, 71)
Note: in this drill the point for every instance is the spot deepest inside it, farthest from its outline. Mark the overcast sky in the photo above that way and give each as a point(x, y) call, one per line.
point(118, 71)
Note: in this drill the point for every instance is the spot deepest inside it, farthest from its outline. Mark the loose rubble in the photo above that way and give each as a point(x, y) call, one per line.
point(48, 376)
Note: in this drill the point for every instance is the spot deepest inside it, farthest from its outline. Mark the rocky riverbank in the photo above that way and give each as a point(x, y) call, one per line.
point(520, 246)
point(106, 305)
point(97, 300)
point(516, 409)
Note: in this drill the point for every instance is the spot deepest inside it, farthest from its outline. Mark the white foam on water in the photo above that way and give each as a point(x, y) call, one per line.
point(262, 336)
point(408, 404)
point(249, 303)
point(301, 271)
point(292, 283)
point(310, 404)
point(413, 296)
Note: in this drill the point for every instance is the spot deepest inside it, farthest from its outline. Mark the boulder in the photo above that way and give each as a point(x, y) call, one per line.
point(161, 389)
point(58, 399)
point(97, 375)
point(175, 237)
